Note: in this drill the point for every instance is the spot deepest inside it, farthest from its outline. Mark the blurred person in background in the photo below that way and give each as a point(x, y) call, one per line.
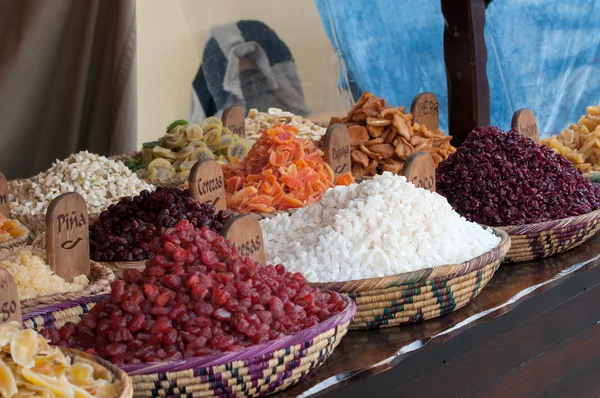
point(246, 63)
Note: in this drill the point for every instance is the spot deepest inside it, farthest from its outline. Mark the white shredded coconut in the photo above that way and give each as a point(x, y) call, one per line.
point(33, 277)
point(101, 182)
point(381, 227)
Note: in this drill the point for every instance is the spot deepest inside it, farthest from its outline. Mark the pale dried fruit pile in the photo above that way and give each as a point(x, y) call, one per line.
point(580, 143)
point(380, 227)
point(30, 367)
point(33, 277)
point(383, 137)
point(99, 180)
point(257, 121)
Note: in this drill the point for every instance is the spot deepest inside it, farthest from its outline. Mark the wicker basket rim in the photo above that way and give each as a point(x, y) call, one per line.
point(216, 359)
point(118, 373)
point(549, 225)
point(16, 242)
point(498, 252)
point(96, 286)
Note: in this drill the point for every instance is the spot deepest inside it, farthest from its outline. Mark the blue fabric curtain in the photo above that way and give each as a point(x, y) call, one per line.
point(542, 54)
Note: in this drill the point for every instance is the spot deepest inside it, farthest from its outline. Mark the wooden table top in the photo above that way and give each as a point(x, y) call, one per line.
point(412, 359)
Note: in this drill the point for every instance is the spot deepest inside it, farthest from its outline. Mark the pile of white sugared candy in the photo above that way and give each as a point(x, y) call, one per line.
point(381, 227)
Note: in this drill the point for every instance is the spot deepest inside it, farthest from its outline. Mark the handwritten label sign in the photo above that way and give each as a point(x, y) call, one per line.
point(524, 122)
point(10, 306)
point(4, 207)
point(245, 233)
point(425, 110)
point(207, 184)
point(419, 169)
point(67, 236)
point(336, 147)
point(234, 118)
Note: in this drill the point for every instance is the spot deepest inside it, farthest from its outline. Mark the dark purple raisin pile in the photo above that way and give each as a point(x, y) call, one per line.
point(499, 179)
point(124, 231)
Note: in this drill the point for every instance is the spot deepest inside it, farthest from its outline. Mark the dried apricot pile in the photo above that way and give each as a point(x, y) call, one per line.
point(281, 171)
point(11, 229)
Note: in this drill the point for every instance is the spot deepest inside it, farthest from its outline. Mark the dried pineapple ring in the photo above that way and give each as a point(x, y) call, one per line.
point(23, 347)
point(211, 120)
point(164, 153)
point(8, 384)
point(160, 164)
point(194, 132)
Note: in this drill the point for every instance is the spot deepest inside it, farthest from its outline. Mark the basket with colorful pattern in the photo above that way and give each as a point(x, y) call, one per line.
point(545, 239)
point(252, 371)
point(420, 295)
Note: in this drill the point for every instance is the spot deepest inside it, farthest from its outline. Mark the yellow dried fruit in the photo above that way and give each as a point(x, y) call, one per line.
point(23, 347)
point(8, 384)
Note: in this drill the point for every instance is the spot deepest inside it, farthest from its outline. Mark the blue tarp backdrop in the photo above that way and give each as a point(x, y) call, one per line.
point(542, 54)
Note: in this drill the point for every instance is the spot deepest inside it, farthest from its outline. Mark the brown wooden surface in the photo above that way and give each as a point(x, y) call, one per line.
point(419, 169)
point(233, 118)
point(465, 57)
point(246, 234)
point(524, 122)
point(425, 110)
point(4, 206)
point(10, 306)
point(365, 358)
point(336, 149)
point(67, 236)
point(207, 184)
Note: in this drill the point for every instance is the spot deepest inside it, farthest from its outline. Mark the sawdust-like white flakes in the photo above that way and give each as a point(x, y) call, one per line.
point(381, 227)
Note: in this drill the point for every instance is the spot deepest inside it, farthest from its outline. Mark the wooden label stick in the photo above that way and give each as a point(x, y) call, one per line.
point(524, 122)
point(67, 236)
point(245, 233)
point(10, 306)
point(419, 169)
point(234, 119)
point(336, 148)
point(425, 110)
point(4, 206)
point(207, 184)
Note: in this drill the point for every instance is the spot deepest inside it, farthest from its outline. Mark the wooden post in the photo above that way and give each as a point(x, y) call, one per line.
point(465, 55)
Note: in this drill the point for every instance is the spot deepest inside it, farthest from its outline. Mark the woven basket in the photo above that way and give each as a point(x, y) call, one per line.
point(100, 279)
point(420, 295)
point(253, 371)
point(16, 242)
point(99, 365)
point(545, 239)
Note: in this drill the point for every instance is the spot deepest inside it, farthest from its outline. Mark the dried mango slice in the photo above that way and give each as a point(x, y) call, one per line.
point(24, 347)
point(8, 384)
point(59, 386)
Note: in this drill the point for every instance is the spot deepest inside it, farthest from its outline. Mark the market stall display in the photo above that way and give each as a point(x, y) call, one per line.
point(580, 142)
point(199, 304)
point(12, 233)
point(100, 181)
point(281, 172)
point(29, 366)
point(507, 180)
point(381, 233)
point(123, 236)
point(174, 154)
point(257, 122)
point(383, 137)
